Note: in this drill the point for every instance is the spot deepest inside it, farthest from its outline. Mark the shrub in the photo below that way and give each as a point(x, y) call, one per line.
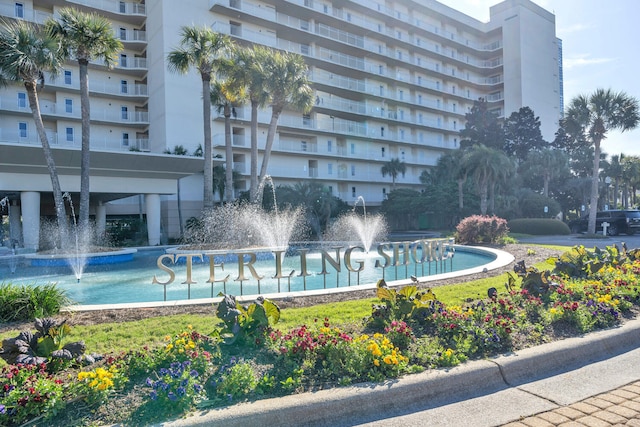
point(481, 229)
point(22, 302)
point(538, 226)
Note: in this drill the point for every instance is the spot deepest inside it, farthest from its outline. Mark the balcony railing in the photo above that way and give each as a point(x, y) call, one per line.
point(60, 140)
point(31, 15)
point(113, 6)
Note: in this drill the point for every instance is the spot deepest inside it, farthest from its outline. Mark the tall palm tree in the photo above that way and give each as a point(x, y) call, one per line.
point(596, 115)
point(393, 168)
point(26, 52)
point(613, 169)
point(85, 37)
point(201, 48)
point(250, 72)
point(225, 96)
point(288, 86)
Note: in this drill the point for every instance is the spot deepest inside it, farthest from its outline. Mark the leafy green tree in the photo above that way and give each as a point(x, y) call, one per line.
point(595, 115)
point(203, 49)
point(318, 202)
point(546, 164)
point(85, 37)
point(522, 134)
point(26, 52)
point(288, 87)
point(482, 127)
point(393, 168)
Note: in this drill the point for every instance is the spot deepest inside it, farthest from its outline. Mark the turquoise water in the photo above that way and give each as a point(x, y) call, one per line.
point(132, 281)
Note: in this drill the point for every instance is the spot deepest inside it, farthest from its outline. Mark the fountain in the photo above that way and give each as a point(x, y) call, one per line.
point(244, 250)
point(363, 229)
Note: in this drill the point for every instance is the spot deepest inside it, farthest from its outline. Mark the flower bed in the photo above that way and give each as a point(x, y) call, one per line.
point(246, 358)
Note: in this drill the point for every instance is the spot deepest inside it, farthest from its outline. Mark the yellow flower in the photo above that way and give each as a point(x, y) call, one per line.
point(376, 362)
point(190, 327)
point(167, 337)
point(168, 347)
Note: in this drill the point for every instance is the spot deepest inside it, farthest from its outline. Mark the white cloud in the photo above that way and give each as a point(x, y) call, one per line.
point(583, 60)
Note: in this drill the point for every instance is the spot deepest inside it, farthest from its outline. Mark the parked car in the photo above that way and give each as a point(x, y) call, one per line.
point(620, 221)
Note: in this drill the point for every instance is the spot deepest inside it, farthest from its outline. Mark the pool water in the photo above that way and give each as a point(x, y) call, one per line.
point(132, 281)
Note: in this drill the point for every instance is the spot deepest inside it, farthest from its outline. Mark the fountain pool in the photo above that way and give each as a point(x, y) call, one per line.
point(132, 281)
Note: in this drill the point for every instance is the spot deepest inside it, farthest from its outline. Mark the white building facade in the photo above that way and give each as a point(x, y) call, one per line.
point(392, 79)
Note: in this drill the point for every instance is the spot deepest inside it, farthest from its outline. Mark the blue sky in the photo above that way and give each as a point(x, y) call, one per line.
point(600, 47)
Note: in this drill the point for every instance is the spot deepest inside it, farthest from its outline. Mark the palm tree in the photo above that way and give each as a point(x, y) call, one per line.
point(288, 86)
point(203, 49)
point(596, 115)
point(249, 71)
point(547, 163)
point(224, 97)
point(613, 169)
point(26, 52)
point(488, 166)
point(394, 167)
point(85, 37)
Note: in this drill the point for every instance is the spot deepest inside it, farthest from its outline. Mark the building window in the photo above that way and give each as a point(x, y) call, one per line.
point(438, 67)
point(306, 120)
point(401, 94)
point(420, 118)
point(384, 193)
point(420, 99)
point(329, 146)
point(123, 33)
point(123, 86)
point(69, 133)
point(22, 100)
point(19, 10)
point(380, 69)
point(325, 8)
point(455, 125)
point(401, 114)
point(123, 60)
point(331, 189)
point(123, 7)
point(353, 170)
point(125, 139)
point(399, 53)
point(353, 191)
point(353, 148)
point(68, 106)
point(304, 49)
point(382, 131)
point(419, 61)
point(303, 145)
point(420, 80)
point(454, 106)
point(402, 138)
point(22, 129)
point(330, 169)
point(381, 90)
point(348, 17)
point(124, 113)
point(453, 90)
point(67, 77)
point(382, 151)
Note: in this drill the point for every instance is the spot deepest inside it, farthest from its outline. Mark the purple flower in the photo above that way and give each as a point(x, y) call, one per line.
point(153, 395)
point(149, 382)
point(171, 395)
point(194, 373)
point(3, 409)
point(181, 391)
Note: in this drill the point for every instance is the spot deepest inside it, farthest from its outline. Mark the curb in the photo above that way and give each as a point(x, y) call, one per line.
point(436, 387)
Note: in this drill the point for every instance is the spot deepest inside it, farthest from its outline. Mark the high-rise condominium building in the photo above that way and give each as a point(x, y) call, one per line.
point(392, 80)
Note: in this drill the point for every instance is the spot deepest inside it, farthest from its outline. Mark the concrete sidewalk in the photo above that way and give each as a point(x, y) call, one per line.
point(561, 382)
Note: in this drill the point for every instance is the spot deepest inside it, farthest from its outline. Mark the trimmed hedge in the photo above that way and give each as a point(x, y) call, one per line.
point(538, 226)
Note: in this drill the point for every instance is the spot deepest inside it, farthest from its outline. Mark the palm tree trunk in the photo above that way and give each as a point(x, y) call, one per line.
point(208, 151)
point(228, 153)
point(271, 133)
point(61, 215)
point(593, 208)
point(253, 189)
point(85, 162)
point(461, 194)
